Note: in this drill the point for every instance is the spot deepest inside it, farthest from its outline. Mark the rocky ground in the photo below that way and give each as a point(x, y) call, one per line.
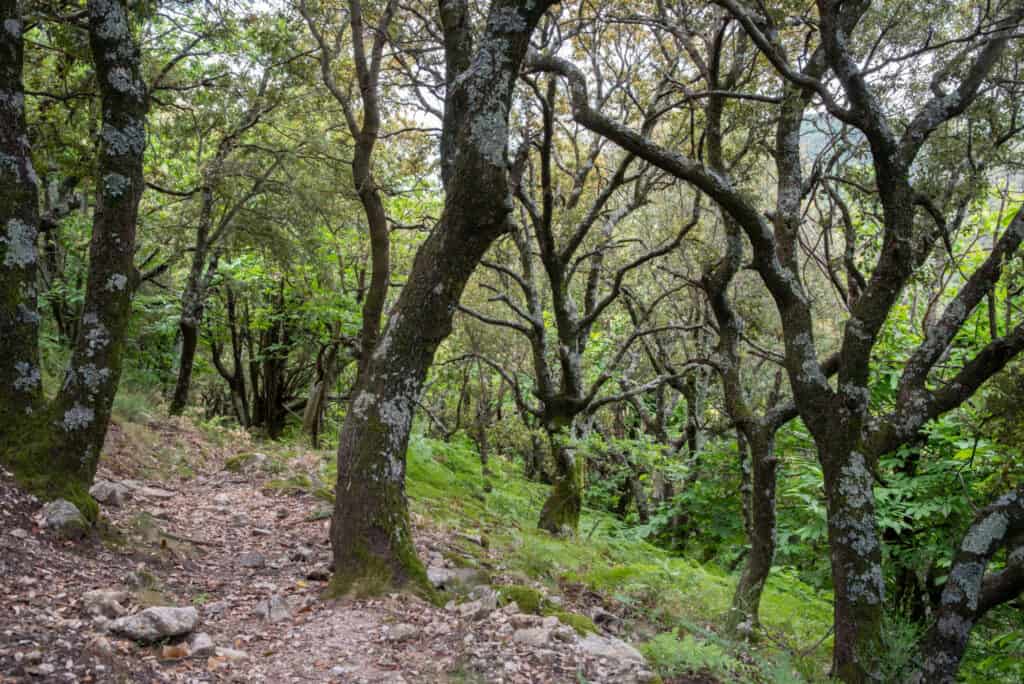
point(220, 578)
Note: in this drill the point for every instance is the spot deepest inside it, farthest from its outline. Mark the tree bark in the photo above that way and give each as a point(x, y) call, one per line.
point(560, 514)
point(746, 602)
point(20, 375)
point(969, 593)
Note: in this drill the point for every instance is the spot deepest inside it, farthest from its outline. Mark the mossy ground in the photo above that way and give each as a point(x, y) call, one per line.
point(658, 591)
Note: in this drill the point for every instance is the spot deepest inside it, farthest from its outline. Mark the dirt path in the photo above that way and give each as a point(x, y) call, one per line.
point(253, 562)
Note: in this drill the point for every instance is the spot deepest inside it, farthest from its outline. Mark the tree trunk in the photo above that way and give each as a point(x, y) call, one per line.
point(370, 532)
point(747, 599)
point(856, 557)
point(186, 360)
point(561, 512)
point(20, 376)
point(60, 455)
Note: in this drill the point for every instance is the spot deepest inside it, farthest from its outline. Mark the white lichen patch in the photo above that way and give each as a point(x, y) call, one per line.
point(866, 587)
point(963, 584)
point(27, 378)
point(855, 481)
point(96, 337)
point(117, 282)
point(20, 241)
point(123, 141)
point(113, 23)
point(115, 185)
point(987, 533)
point(120, 79)
point(507, 20)
point(92, 377)
point(13, 27)
point(78, 417)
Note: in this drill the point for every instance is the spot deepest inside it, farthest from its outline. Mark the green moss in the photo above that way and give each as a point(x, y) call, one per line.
point(581, 623)
point(371, 575)
point(529, 600)
point(239, 462)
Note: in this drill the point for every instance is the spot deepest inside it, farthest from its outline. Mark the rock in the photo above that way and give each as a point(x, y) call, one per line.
point(525, 620)
point(603, 618)
point(274, 609)
point(303, 554)
point(246, 462)
point(230, 653)
point(157, 623)
point(64, 518)
point(43, 670)
point(222, 499)
point(105, 603)
point(482, 607)
point(110, 493)
point(201, 644)
point(18, 533)
point(320, 573)
point(99, 645)
point(156, 493)
point(454, 579)
point(535, 637)
point(215, 607)
point(402, 632)
point(251, 559)
point(564, 633)
point(611, 648)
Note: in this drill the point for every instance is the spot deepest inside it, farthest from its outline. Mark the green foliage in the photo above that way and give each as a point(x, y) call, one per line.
point(674, 657)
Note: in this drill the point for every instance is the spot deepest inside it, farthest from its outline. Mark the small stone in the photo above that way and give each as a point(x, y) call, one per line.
point(251, 559)
point(156, 493)
point(481, 608)
point(402, 632)
point(43, 670)
point(105, 603)
point(156, 623)
point(533, 636)
point(64, 518)
point(303, 554)
point(110, 493)
point(274, 609)
point(564, 633)
point(525, 621)
point(454, 579)
point(215, 608)
point(611, 648)
point(230, 653)
point(201, 644)
point(320, 573)
point(18, 533)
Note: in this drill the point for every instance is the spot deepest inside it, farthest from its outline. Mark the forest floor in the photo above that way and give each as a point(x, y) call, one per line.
point(245, 545)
